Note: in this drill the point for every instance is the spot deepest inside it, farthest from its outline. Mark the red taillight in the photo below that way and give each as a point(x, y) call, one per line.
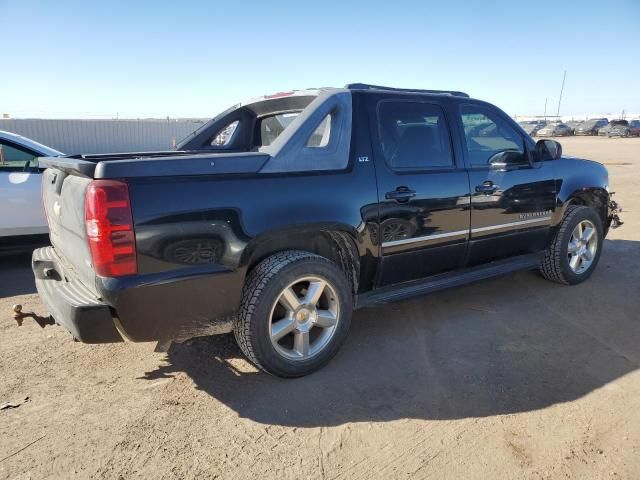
point(109, 224)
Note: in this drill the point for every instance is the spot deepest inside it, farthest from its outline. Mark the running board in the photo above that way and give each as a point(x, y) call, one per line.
point(402, 291)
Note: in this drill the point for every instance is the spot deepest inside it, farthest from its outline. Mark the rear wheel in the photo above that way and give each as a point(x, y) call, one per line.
point(295, 313)
point(576, 247)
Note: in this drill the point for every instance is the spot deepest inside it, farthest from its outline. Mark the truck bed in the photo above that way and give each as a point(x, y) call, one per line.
point(156, 164)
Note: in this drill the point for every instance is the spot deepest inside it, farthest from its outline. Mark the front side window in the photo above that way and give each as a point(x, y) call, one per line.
point(13, 157)
point(489, 138)
point(414, 135)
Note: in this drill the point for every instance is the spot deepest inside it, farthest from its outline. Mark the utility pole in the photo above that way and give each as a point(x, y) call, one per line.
point(561, 90)
point(545, 109)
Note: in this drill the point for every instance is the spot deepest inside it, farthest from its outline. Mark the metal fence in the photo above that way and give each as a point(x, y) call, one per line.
point(103, 136)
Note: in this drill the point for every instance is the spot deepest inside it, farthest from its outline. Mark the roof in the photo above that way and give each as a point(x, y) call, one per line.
point(40, 149)
point(366, 86)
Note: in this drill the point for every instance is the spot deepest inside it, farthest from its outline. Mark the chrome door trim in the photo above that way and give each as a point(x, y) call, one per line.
point(465, 233)
point(511, 224)
point(435, 236)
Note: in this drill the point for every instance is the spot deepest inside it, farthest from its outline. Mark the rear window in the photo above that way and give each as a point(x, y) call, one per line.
point(272, 126)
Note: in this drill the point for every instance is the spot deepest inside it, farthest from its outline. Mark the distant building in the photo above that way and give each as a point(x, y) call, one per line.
point(103, 136)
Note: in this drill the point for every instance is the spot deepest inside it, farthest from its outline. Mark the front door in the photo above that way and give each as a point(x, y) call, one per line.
point(423, 192)
point(20, 203)
point(512, 197)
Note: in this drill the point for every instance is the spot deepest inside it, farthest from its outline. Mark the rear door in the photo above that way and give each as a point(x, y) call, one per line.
point(423, 189)
point(512, 198)
point(20, 205)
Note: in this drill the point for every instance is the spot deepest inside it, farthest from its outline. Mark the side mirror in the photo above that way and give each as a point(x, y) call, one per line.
point(548, 150)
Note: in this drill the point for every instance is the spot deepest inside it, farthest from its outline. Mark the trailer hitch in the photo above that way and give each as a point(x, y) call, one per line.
point(19, 317)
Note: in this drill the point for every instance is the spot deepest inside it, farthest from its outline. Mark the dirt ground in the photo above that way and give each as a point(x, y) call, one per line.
point(510, 378)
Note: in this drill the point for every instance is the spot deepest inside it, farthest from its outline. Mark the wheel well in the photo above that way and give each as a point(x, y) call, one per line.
point(596, 199)
point(337, 246)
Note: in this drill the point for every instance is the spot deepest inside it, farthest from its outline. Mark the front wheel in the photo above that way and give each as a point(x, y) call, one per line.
point(575, 250)
point(295, 313)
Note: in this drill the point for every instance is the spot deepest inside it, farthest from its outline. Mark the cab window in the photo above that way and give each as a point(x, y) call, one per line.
point(489, 138)
point(272, 126)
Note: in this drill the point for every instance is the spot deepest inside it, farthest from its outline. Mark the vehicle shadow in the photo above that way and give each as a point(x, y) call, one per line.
point(513, 344)
point(16, 277)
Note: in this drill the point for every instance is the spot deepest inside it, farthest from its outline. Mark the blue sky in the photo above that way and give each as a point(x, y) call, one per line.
point(89, 59)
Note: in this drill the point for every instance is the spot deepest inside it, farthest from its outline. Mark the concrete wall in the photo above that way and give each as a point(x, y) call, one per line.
point(103, 136)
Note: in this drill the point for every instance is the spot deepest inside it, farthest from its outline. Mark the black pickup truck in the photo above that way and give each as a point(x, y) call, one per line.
point(283, 214)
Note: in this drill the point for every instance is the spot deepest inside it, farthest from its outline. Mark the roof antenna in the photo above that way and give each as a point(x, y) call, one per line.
point(561, 90)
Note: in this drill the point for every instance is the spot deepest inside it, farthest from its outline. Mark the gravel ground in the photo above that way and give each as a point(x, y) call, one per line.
point(510, 378)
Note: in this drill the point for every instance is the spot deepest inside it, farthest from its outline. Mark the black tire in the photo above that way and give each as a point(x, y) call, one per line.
point(261, 290)
point(555, 263)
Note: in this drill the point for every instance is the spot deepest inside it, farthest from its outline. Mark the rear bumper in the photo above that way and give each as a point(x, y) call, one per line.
point(155, 307)
point(70, 303)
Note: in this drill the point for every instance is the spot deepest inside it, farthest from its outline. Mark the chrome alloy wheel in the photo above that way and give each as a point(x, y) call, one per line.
point(304, 318)
point(583, 246)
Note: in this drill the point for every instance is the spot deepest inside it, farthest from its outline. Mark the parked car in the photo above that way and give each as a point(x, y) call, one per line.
point(554, 130)
point(591, 127)
point(634, 128)
point(22, 221)
point(615, 128)
point(281, 231)
point(572, 124)
point(532, 127)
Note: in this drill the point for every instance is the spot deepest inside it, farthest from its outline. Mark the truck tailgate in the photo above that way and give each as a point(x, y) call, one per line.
point(63, 198)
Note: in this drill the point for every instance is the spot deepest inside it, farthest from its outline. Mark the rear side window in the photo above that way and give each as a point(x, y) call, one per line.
point(320, 137)
point(224, 136)
point(487, 135)
point(414, 135)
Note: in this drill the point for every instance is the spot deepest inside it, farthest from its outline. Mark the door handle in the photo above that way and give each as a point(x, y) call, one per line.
point(400, 194)
point(486, 187)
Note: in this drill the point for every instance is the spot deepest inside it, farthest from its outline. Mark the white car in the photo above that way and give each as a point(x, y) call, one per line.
point(22, 221)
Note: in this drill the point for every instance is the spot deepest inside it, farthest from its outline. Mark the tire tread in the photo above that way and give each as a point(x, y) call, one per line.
point(254, 285)
point(551, 265)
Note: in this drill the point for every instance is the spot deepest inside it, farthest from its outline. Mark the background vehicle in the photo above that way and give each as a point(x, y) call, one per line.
point(572, 125)
point(591, 127)
point(615, 128)
point(22, 221)
point(634, 128)
point(532, 127)
point(554, 130)
point(300, 212)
